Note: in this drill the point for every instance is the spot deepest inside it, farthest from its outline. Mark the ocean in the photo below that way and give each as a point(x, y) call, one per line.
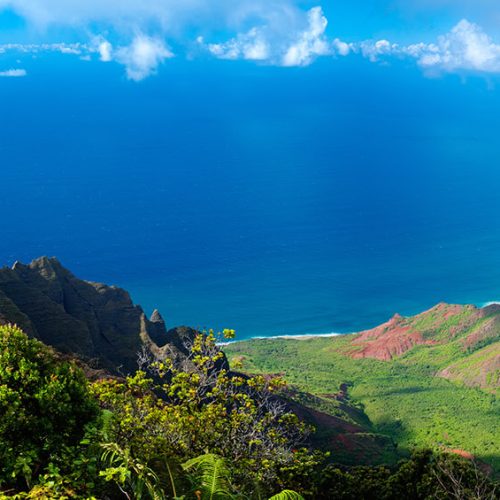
point(274, 201)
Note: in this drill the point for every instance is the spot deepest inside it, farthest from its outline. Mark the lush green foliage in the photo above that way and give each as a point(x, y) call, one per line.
point(402, 398)
point(44, 407)
point(424, 476)
point(55, 440)
point(176, 415)
point(193, 433)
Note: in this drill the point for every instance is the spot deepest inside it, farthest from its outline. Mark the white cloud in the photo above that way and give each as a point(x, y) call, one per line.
point(289, 48)
point(467, 47)
point(13, 73)
point(63, 48)
point(167, 17)
point(257, 29)
point(251, 46)
point(341, 48)
point(257, 51)
point(275, 32)
point(142, 57)
point(310, 43)
point(105, 50)
point(375, 50)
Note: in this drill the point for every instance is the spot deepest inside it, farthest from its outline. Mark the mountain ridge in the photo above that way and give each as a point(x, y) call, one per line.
point(473, 332)
point(97, 322)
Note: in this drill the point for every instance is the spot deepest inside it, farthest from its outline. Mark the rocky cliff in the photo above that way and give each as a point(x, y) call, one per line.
point(99, 323)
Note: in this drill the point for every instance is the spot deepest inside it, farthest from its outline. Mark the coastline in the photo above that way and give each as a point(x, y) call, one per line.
point(298, 336)
point(308, 336)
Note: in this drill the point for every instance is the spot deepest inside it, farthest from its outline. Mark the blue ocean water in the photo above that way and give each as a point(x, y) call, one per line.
point(269, 200)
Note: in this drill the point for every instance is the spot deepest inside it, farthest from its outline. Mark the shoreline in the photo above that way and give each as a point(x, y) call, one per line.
point(308, 336)
point(298, 336)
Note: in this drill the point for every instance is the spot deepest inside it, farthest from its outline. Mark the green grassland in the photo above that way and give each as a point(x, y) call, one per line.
point(402, 398)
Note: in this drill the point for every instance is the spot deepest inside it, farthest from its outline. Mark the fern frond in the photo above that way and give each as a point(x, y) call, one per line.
point(212, 476)
point(137, 475)
point(287, 495)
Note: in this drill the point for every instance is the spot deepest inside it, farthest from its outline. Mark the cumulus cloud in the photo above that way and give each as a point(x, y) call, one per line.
point(257, 29)
point(342, 48)
point(105, 50)
point(139, 34)
point(13, 73)
point(310, 43)
point(465, 48)
point(293, 48)
point(374, 51)
point(141, 58)
point(252, 45)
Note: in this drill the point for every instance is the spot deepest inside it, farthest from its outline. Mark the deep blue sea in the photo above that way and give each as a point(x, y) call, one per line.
point(269, 200)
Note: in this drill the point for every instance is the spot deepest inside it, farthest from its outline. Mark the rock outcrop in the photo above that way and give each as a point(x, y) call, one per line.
point(99, 323)
point(157, 329)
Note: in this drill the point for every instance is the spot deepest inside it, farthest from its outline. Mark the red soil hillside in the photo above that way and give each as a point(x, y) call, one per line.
point(440, 324)
point(387, 340)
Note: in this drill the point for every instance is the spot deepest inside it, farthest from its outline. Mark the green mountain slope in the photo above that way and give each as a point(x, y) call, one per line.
point(429, 380)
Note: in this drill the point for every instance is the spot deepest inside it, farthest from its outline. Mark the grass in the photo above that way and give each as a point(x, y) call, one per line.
point(402, 398)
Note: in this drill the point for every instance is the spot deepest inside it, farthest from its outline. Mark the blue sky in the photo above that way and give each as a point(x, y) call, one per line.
point(438, 36)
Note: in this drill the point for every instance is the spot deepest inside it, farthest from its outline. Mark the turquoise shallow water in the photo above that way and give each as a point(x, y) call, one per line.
point(272, 201)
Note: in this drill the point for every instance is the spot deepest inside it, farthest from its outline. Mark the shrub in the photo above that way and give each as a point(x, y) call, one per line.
point(175, 415)
point(44, 407)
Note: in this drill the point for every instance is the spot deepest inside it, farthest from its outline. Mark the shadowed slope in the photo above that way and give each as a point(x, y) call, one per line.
point(95, 321)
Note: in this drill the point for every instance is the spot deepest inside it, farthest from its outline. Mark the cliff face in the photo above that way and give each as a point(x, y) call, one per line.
point(95, 321)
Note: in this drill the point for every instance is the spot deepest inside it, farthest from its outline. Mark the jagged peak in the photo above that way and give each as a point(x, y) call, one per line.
point(43, 262)
point(17, 265)
point(46, 262)
point(156, 317)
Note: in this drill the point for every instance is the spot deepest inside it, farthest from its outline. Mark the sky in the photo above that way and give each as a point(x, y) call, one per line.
point(437, 36)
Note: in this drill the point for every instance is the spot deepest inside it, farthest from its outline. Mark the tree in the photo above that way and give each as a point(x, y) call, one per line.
point(44, 406)
point(176, 414)
point(463, 480)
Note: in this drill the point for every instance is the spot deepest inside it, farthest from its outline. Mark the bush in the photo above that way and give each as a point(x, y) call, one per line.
point(175, 415)
point(425, 475)
point(44, 407)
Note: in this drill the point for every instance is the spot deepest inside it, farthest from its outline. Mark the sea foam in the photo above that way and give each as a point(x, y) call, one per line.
point(492, 303)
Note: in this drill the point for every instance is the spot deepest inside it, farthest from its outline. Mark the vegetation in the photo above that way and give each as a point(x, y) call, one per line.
point(178, 415)
point(45, 407)
point(199, 432)
point(62, 437)
point(403, 398)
